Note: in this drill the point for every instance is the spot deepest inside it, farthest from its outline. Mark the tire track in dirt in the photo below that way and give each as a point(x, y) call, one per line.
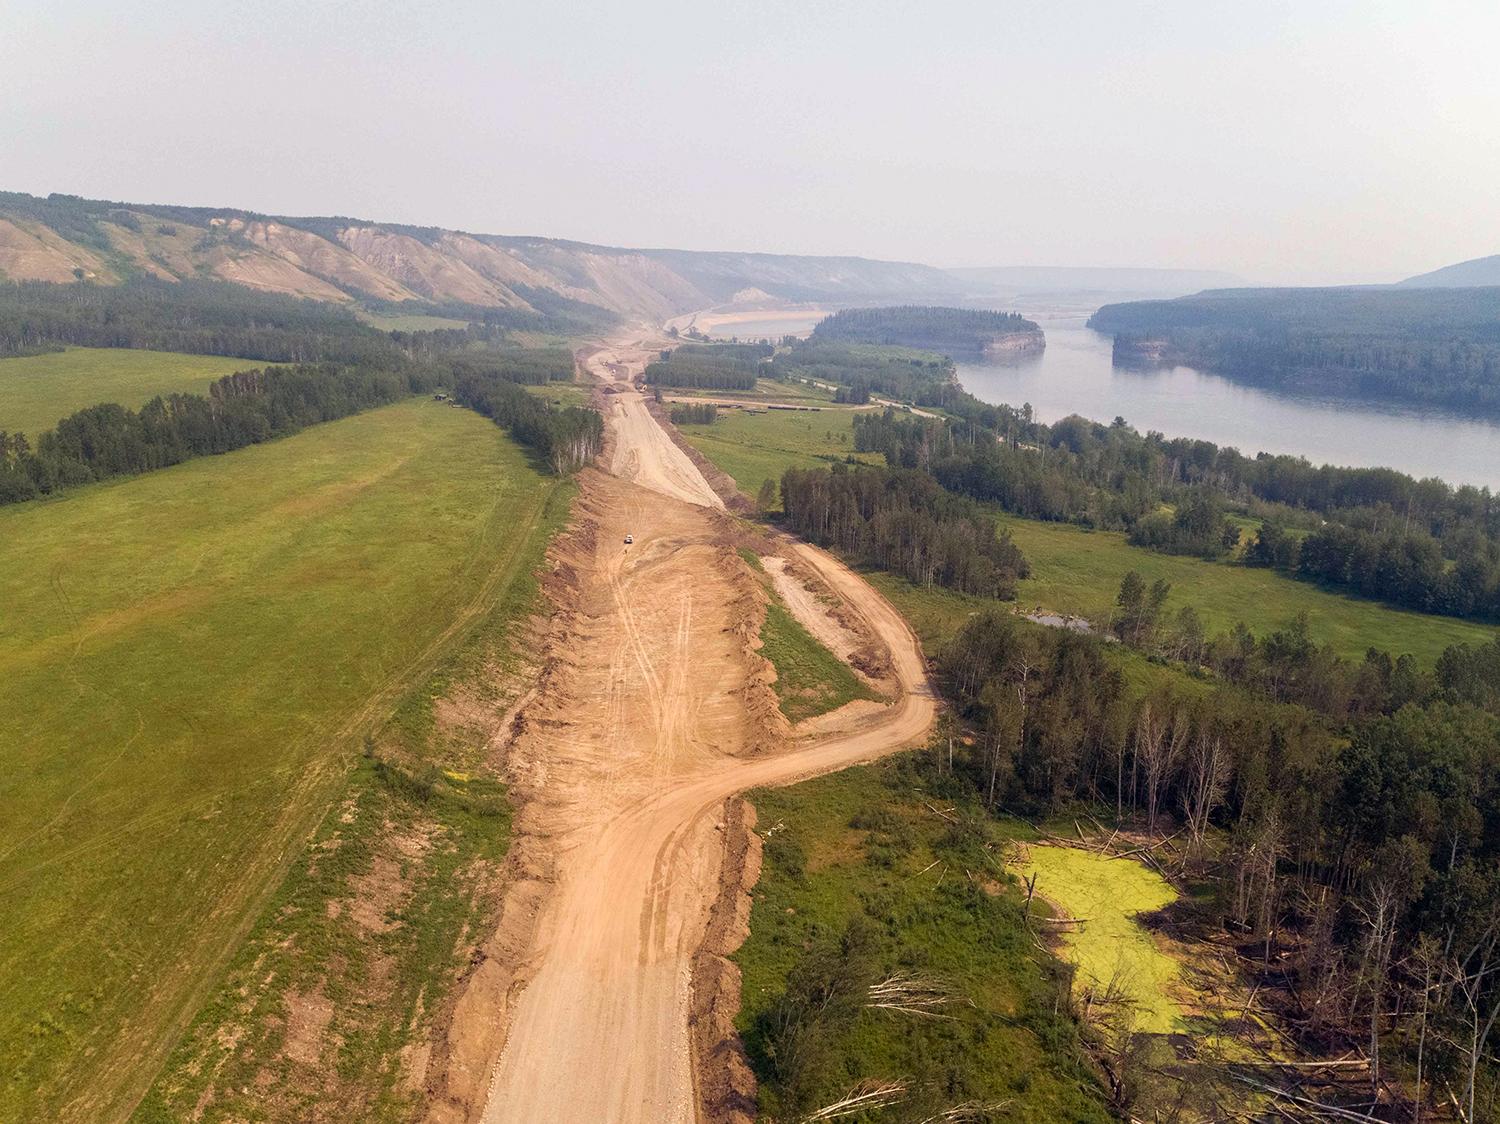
point(655, 712)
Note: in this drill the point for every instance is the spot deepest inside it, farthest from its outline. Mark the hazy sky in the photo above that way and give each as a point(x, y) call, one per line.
point(1307, 141)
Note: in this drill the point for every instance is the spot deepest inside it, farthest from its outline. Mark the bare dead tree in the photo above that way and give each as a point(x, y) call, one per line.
point(1379, 914)
point(1206, 783)
point(1159, 742)
point(1256, 888)
point(1471, 979)
point(1321, 958)
point(1426, 969)
point(867, 1096)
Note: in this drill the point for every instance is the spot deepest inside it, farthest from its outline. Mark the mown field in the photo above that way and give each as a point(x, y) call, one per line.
point(38, 390)
point(191, 662)
point(861, 883)
point(1078, 572)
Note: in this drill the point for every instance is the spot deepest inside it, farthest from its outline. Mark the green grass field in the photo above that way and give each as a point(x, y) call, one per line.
point(754, 448)
point(36, 391)
point(861, 882)
point(384, 974)
point(792, 390)
point(410, 322)
point(770, 390)
point(810, 680)
point(564, 393)
point(1078, 572)
point(191, 661)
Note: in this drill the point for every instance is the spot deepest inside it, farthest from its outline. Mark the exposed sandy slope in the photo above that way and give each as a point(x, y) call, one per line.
point(424, 269)
point(35, 253)
point(657, 709)
point(804, 605)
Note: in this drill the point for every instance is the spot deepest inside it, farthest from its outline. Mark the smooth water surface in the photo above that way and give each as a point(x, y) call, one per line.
point(1076, 375)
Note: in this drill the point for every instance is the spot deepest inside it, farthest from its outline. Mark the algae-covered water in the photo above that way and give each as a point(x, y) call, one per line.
point(1111, 946)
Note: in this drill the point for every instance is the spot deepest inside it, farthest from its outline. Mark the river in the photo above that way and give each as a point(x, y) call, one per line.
point(1076, 375)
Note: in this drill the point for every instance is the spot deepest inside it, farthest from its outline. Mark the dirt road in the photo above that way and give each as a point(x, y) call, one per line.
point(657, 711)
point(642, 452)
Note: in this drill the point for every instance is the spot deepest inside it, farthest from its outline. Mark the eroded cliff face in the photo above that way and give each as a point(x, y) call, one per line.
point(59, 239)
point(30, 251)
point(1015, 343)
point(1136, 351)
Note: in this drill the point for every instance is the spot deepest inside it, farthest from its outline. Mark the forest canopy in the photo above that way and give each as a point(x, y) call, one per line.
point(1439, 347)
point(726, 366)
point(967, 331)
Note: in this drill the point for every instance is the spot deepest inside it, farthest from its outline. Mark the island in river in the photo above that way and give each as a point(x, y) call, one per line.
point(969, 333)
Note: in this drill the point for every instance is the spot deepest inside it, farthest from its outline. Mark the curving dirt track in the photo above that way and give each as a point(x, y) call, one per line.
point(656, 711)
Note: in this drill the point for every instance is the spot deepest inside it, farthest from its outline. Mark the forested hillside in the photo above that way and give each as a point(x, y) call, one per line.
point(1461, 275)
point(1438, 346)
point(62, 238)
point(200, 317)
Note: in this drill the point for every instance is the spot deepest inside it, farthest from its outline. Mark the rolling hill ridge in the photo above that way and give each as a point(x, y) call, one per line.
point(1477, 273)
point(63, 238)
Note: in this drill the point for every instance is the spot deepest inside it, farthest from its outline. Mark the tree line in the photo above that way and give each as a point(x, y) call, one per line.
point(531, 366)
point(904, 522)
point(709, 366)
point(1420, 544)
point(241, 409)
point(695, 413)
point(1402, 567)
point(358, 368)
point(198, 317)
point(1432, 346)
point(858, 371)
point(566, 438)
point(1197, 525)
point(549, 312)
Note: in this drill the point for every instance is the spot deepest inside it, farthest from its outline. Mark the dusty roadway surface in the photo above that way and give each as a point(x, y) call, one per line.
point(645, 455)
point(658, 709)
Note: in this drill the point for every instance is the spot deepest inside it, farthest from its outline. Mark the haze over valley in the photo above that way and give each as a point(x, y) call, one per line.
point(749, 565)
